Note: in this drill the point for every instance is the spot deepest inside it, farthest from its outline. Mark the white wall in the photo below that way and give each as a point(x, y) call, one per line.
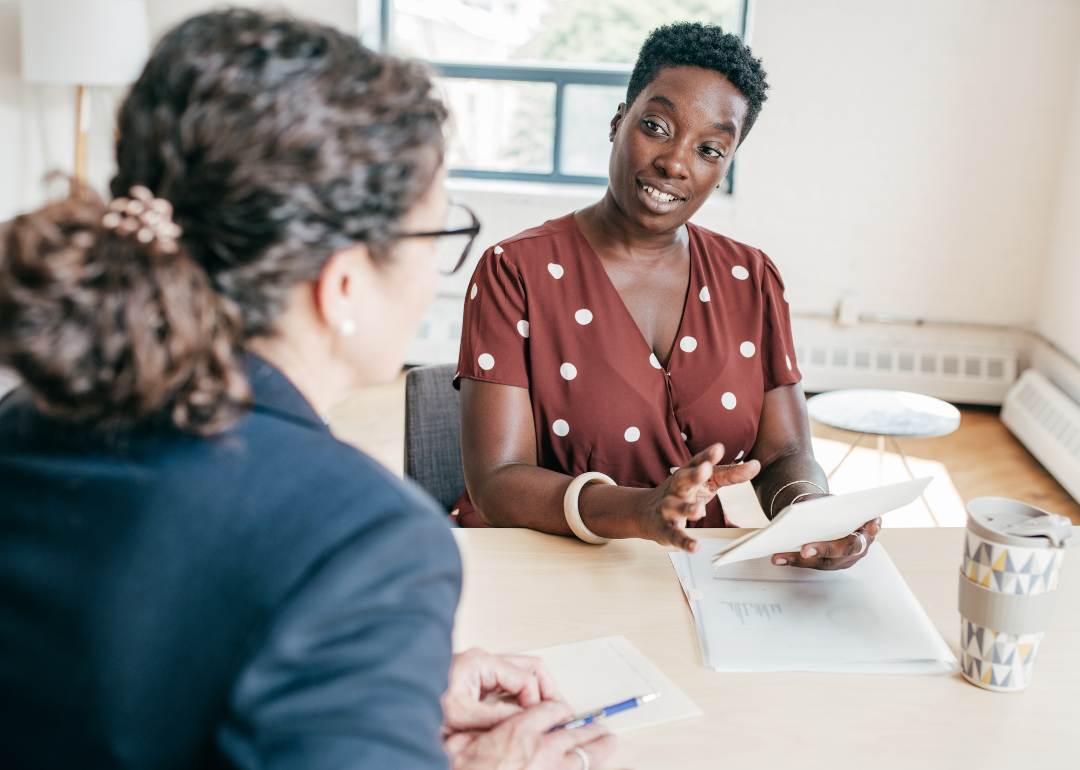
point(1059, 316)
point(910, 151)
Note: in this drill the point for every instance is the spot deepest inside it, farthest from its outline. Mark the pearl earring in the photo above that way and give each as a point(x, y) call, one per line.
point(347, 327)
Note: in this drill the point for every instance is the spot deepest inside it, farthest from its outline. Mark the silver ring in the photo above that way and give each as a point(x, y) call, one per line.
point(584, 758)
point(862, 539)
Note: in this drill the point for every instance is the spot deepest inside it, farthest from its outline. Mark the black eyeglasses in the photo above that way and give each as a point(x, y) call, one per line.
point(456, 240)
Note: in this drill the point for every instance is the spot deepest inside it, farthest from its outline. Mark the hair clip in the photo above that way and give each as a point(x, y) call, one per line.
point(148, 218)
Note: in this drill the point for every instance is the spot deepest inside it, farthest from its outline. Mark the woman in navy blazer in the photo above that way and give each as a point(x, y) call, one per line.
point(193, 571)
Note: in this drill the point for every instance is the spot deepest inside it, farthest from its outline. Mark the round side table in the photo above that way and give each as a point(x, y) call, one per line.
point(886, 414)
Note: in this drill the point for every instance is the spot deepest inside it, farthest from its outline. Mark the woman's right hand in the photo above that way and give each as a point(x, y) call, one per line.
point(523, 742)
point(684, 495)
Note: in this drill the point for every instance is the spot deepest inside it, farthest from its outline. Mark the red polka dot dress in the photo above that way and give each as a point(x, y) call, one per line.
point(542, 314)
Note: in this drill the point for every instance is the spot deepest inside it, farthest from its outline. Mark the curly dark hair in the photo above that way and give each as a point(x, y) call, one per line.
point(707, 46)
point(278, 142)
point(110, 330)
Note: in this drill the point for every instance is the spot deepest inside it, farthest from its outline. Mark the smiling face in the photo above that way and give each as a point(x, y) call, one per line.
point(674, 146)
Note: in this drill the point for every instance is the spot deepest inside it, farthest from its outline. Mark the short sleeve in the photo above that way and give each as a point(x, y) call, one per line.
point(778, 348)
point(495, 325)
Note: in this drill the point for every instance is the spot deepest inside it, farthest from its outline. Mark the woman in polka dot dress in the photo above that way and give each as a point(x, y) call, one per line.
point(621, 339)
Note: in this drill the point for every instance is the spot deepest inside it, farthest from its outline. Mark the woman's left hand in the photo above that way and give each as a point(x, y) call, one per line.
point(474, 675)
point(833, 554)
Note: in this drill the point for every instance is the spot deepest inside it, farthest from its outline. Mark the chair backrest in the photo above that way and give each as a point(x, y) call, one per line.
point(433, 432)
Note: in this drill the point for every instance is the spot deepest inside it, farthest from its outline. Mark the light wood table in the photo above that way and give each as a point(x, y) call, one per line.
point(525, 590)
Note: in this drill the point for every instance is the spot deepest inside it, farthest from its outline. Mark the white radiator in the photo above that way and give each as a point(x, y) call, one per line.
point(961, 375)
point(1047, 422)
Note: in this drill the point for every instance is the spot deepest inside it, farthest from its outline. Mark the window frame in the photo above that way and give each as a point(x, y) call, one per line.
point(561, 75)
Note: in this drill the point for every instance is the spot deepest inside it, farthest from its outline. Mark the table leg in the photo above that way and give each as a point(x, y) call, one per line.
point(922, 497)
point(846, 455)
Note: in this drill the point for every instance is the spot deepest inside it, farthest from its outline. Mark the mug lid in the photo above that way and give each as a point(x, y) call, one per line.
point(1011, 522)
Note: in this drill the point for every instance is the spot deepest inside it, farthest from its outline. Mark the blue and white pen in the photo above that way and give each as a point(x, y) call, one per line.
point(592, 716)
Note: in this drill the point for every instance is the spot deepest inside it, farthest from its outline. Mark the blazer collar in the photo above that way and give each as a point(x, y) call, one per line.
point(276, 395)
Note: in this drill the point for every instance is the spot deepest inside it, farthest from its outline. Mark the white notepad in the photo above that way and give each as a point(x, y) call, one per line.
point(818, 521)
point(755, 616)
point(609, 670)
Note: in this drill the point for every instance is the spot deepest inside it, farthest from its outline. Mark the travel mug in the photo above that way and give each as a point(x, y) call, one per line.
point(1012, 558)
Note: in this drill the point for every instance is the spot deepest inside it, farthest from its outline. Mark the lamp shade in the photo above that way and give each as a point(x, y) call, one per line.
point(85, 42)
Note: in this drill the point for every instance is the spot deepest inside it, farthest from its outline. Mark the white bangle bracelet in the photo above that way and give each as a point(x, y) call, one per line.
point(570, 506)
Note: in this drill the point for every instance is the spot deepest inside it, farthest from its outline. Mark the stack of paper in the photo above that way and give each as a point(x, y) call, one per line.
point(754, 616)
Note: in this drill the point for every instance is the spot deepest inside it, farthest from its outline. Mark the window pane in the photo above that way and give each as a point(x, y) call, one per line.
point(500, 125)
point(587, 113)
point(548, 30)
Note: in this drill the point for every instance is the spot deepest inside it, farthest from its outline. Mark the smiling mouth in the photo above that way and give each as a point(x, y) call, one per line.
point(656, 195)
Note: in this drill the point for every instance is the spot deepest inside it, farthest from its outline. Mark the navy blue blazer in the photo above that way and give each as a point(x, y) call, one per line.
point(268, 598)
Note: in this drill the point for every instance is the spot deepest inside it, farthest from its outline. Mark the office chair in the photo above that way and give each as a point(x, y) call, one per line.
point(433, 432)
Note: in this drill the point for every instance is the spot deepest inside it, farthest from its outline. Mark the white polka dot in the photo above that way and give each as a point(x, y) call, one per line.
point(560, 427)
point(523, 328)
point(747, 349)
point(632, 434)
point(654, 361)
point(583, 317)
point(673, 469)
point(472, 294)
point(454, 513)
point(740, 454)
point(787, 361)
point(740, 272)
point(689, 344)
point(703, 295)
point(728, 400)
point(498, 250)
point(486, 361)
point(568, 371)
point(683, 436)
point(555, 270)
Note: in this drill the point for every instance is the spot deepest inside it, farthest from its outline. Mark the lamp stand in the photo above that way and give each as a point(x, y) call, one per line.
point(82, 127)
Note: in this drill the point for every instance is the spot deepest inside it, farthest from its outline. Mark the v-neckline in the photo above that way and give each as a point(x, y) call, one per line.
point(611, 285)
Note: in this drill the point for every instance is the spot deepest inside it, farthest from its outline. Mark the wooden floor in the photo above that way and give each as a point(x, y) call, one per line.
point(982, 457)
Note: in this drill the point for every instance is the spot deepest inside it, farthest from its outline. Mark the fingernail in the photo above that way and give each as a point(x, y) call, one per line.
point(810, 552)
point(605, 730)
point(780, 562)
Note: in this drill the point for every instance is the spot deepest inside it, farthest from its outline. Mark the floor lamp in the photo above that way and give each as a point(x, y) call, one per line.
point(83, 43)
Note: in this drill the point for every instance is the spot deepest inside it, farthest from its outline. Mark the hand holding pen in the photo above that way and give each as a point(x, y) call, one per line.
point(607, 711)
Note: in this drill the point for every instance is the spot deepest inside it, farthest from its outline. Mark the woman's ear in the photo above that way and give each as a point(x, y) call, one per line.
point(340, 286)
point(615, 121)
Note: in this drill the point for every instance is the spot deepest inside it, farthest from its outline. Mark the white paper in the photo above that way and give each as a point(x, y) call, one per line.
point(819, 520)
point(755, 616)
point(609, 670)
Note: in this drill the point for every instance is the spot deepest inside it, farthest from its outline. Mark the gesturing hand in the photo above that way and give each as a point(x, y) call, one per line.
point(523, 742)
point(475, 674)
point(684, 495)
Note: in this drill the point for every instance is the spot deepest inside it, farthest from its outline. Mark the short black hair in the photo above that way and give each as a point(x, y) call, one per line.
point(691, 43)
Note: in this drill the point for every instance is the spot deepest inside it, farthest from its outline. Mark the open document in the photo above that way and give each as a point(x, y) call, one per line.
point(755, 616)
point(819, 521)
